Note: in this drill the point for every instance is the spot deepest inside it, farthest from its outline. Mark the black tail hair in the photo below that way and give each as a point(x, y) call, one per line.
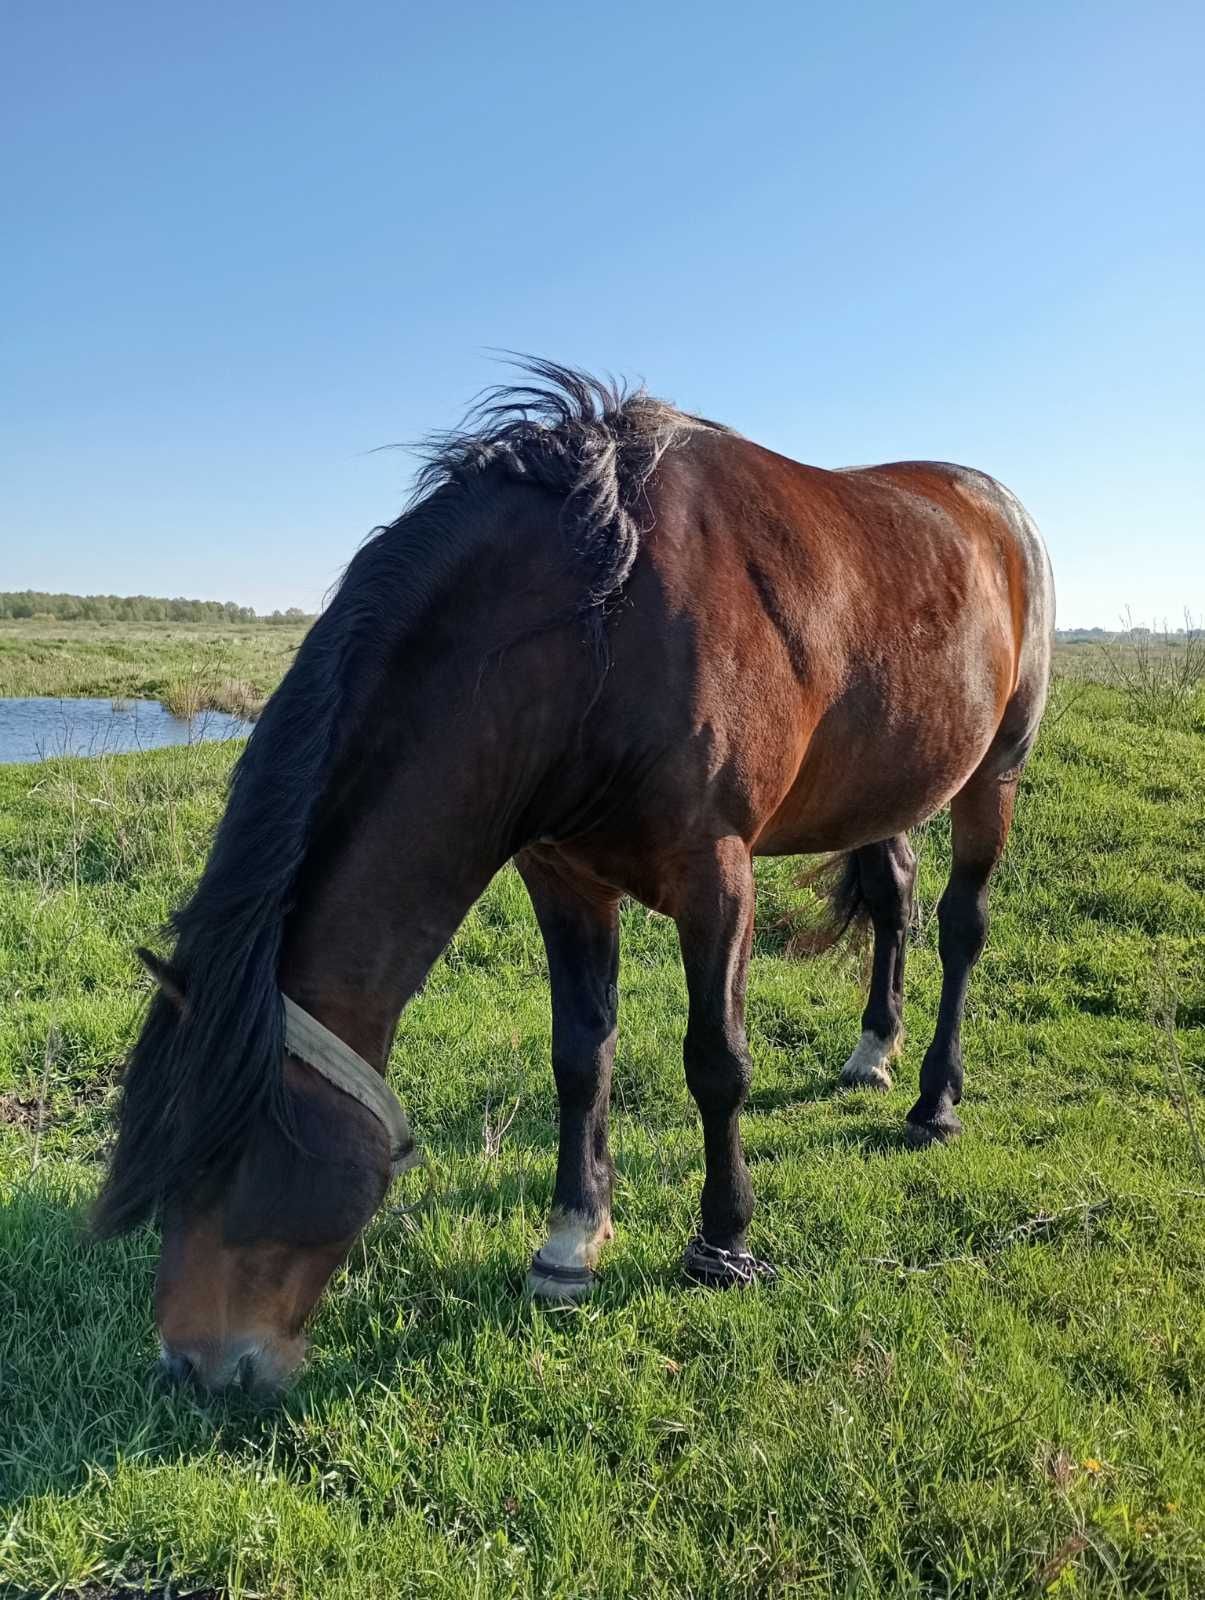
point(837, 882)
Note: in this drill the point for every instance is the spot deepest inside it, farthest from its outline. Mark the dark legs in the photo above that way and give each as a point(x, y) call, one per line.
point(712, 903)
point(581, 937)
point(886, 873)
point(713, 907)
point(714, 913)
point(980, 817)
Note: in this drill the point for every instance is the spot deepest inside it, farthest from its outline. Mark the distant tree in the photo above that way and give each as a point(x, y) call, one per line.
point(16, 605)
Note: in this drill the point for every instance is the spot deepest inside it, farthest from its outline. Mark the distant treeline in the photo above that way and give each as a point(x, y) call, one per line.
point(36, 604)
point(33, 603)
point(1169, 636)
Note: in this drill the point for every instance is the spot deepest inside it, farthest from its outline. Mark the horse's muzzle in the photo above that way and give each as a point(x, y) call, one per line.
point(239, 1364)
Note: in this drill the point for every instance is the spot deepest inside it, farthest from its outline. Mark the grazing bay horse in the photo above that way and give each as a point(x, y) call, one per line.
point(630, 650)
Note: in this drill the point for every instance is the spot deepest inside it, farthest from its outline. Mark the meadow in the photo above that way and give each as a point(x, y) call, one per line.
point(982, 1369)
point(190, 666)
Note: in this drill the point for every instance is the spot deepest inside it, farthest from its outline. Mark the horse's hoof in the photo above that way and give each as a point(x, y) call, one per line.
point(869, 1065)
point(715, 1268)
point(874, 1076)
point(558, 1286)
point(939, 1129)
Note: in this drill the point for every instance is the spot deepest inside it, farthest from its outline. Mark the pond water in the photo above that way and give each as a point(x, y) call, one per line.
point(33, 729)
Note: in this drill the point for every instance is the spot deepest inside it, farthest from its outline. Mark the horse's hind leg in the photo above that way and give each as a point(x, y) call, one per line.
point(886, 876)
point(581, 937)
point(713, 908)
point(980, 815)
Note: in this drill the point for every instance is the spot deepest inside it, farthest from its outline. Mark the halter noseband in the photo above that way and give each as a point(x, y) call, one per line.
point(311, 1042)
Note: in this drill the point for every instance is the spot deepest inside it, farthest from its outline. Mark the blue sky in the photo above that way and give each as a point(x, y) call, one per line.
point(248, 243)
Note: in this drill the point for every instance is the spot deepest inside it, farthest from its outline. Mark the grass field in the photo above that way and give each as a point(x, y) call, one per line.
point(982, 1370)
point(190, 665)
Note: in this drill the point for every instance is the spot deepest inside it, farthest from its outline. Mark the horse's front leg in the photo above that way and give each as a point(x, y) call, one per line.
point(581, 938)
point(714, 912)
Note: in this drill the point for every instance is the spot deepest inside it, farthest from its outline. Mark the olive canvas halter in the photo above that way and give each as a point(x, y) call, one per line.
point(311, 1042)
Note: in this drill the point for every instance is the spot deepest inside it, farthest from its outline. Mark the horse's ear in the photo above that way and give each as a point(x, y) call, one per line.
point(169, 978)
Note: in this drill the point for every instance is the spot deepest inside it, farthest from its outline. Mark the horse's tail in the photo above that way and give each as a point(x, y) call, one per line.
point(837, 883)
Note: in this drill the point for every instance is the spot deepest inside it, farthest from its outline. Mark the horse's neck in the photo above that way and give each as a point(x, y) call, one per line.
point(387, 889)
point(462, 743)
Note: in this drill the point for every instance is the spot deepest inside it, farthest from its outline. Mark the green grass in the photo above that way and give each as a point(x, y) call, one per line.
point(982, 1370)
point(225, 667)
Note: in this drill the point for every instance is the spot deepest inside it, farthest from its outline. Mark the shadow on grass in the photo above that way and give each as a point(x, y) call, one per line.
point(77, 1347)
point(79, 1392)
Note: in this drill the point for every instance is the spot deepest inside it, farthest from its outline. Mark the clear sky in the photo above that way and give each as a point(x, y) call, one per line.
point(247, 243)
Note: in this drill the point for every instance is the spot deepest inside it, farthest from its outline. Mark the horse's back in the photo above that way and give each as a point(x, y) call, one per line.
point(888, 547)
point(856, 643)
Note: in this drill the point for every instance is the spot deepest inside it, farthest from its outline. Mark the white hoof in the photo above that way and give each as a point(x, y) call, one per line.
point(869, 1067)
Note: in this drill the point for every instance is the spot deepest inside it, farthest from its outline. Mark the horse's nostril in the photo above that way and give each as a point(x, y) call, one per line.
point(240, 1365)
point(177, 1367)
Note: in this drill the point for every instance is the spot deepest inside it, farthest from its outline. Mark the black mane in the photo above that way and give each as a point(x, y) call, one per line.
point(195, 1081)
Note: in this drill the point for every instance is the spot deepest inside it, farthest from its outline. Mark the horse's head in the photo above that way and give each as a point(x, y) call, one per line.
point(248, 1248)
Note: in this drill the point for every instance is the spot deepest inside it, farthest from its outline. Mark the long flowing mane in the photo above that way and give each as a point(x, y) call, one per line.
point(198, 1078)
